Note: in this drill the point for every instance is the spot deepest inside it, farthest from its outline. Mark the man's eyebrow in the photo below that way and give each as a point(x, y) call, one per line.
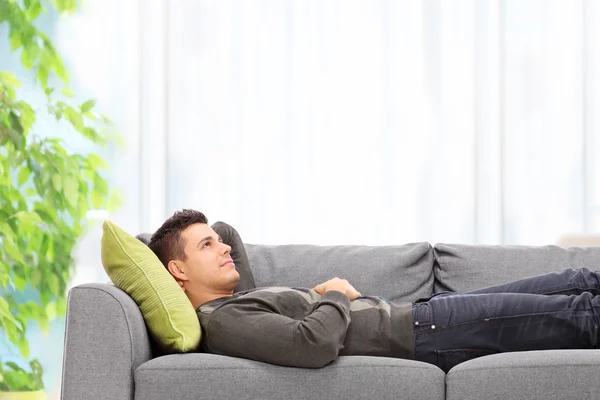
point(209, 238)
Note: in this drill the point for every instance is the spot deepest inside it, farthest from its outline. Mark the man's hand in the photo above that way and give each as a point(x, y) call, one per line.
point(341, 285)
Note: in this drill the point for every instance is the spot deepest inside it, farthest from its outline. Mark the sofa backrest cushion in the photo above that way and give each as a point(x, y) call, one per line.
point(400, 273)
point(460, 267)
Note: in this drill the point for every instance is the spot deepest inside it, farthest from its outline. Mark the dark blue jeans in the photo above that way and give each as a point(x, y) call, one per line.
point(554, 311)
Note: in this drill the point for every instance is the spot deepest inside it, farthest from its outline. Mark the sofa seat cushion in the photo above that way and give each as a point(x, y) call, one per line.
point(548, 375)
point(201, 375)
point(400, 273)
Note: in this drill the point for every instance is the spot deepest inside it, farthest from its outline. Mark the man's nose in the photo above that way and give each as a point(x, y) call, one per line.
point(227, 248)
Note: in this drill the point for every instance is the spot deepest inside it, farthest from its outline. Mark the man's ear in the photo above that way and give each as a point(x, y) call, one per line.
point(175, 270)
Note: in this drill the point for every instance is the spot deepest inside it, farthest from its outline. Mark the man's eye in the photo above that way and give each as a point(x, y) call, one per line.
point(206, 244)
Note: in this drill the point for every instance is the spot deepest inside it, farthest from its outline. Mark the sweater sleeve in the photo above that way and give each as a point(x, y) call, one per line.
point(254, 331)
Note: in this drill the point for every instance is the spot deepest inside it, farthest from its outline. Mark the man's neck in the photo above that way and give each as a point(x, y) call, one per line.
point(204, 297)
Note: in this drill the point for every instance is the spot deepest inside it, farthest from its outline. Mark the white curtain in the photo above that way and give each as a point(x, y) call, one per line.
point(355, 122)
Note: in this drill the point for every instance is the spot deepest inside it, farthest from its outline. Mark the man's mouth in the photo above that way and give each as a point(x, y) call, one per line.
point(227, 262)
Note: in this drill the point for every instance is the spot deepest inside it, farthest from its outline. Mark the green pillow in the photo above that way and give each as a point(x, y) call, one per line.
point(136, 270)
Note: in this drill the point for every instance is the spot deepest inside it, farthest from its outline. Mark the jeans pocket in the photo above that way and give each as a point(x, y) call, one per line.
point(426, 299)
point(447, 359)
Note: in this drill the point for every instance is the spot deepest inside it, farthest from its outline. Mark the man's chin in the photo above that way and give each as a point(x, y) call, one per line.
point(234, 278)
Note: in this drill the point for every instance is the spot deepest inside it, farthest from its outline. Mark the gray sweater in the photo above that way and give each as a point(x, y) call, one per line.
point(297, 327)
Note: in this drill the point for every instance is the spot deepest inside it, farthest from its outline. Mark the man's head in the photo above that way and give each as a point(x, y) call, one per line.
point(196, 256)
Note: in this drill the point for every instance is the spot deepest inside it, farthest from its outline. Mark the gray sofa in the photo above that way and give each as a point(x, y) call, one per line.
point(109, 354)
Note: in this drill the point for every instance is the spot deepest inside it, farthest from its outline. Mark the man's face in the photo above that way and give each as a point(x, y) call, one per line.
point(208, 265)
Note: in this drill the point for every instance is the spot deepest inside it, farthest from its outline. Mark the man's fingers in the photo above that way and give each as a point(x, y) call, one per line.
point(338, 284)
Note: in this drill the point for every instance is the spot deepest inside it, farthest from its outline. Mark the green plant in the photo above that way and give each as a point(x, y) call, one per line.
point(15, 378)
point(45, 190)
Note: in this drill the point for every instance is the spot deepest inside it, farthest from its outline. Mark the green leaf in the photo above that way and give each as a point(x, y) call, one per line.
point(10, 79)
point(15, 40)
point(33, 48)
point(13, 366)
point(53, 59)
point(24, 348)
point(26, 60)
point(14, 333)
point(42, 75)
point(36, 277)
point(50, 252)
point(60, 70)
point(7, 231)
point(24, 312)
point(87, 106)
point(96, 162)
point(90, 115)
point(100, 185)
point(61, 306)
point(20, 282)
point(24, 173)
point(97, 200)
point(4, 9)
point(70, 191)
point(11, 250)
point(114, 201)
point(66, 6)
point(6, 314)
point(53, 284)
point(4, 278)
point(28, 217)
point(44, 324)
point(45, 296)
point(51, 311)
point(48, 91)
point(75, 118)
point(56, 145)
point(15, 124)
point(45, 244)
point(36, 367)
point(94, 136)
point(106, 119)
point(48, 215)
point(34, 10)
point(57, 183)
point(10, 92)
point(67, 92)
point(30, 192)
point(27, 115)
point(16, 138)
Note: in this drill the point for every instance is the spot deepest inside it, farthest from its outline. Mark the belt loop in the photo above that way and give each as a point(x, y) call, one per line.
point(422, 314)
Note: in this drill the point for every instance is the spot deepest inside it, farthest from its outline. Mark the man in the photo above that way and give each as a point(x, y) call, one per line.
point(304, 327)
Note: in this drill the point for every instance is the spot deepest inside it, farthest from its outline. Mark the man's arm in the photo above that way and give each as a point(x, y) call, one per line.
point(253, 330)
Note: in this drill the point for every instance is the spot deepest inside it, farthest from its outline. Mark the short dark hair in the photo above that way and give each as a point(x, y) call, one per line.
point(167, 242)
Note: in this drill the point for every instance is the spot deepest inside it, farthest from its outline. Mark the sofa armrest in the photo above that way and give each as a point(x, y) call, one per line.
point(105, 341)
